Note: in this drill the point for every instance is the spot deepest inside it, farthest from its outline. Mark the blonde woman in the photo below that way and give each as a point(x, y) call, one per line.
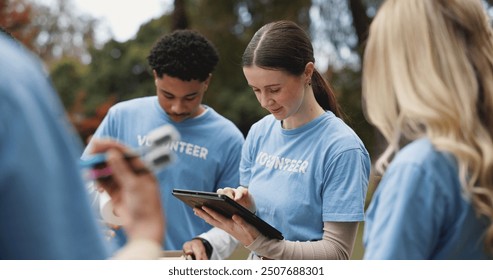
point(428, 82)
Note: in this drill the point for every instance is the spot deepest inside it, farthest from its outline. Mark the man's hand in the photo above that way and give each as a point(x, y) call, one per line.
point(196, 249)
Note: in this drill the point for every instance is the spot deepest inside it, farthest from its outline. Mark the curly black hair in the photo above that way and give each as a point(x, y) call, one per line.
point(183, 54)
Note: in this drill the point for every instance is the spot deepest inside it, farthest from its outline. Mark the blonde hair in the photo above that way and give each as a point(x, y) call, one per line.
point(428, 72)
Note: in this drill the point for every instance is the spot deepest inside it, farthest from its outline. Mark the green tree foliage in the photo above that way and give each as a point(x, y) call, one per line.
point(62, 32)
point(230, 24)
point(343, 28)
point(119, 69)
point(347, 84)
point(67, 77)
point(16, 19)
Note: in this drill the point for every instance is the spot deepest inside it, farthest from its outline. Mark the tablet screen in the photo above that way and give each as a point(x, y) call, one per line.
point(226, 207)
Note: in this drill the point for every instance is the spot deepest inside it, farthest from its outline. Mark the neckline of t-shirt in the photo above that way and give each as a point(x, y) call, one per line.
point(309, 125)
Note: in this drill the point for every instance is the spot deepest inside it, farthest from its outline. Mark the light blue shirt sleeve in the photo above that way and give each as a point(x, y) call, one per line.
point(404, 219)
point(351, 170)
point(421, 211)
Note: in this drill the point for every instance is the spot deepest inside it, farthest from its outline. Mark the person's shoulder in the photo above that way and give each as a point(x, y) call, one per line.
point(420, 171)
point(421, 152)
point(423, 155)
point(20, 62)
point(17, 57)
point(222, 123)
point(338, 126)
point(339, 135)
point(17, 62)
point(216, 115)
point(266, 121)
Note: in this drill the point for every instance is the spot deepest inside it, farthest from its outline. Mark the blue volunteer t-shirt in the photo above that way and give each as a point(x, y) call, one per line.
point(419, 211)
point(303, 177)
point(207, 158)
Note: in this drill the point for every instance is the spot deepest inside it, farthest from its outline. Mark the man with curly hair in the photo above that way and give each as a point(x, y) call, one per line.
point(208, 153)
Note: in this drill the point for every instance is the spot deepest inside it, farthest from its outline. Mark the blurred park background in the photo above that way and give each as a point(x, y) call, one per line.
point(91, 75)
